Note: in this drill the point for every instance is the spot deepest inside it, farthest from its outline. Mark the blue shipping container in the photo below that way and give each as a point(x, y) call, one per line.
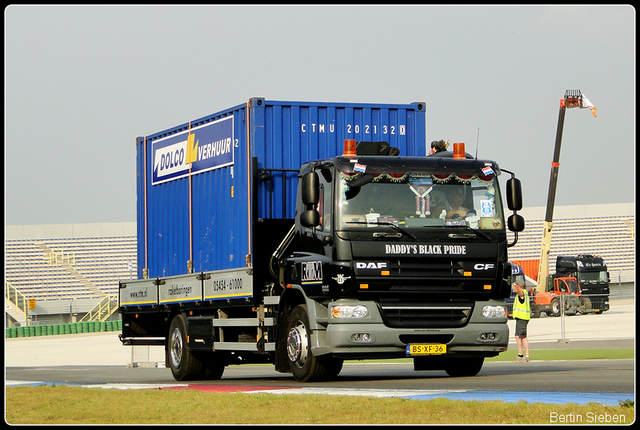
point(196, 184)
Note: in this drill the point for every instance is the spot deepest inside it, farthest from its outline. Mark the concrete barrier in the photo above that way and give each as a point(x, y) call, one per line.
point(60, 329)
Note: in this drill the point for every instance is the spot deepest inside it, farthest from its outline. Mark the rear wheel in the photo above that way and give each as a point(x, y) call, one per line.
point(304, 365)
point(213, 364)
point(184, 365)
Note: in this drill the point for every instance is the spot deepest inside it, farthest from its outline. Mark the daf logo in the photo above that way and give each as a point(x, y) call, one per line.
point(481, 266)
point(370, 265)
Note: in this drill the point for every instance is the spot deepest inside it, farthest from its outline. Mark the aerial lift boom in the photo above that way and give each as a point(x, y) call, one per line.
point(572, 99)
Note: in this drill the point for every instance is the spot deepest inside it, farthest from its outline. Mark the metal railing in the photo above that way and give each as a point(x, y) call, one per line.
point(102, 310)
point(18, 299)
point(587, 317)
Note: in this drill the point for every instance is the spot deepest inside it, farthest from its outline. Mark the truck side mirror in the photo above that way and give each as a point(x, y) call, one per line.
point(310, 194)
point(310, 218)
point(515, 223)
point(514, 194)
point(310, 189)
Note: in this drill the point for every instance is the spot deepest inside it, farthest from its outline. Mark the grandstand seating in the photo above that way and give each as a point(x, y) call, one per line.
point(612, 238)
point(72, 267)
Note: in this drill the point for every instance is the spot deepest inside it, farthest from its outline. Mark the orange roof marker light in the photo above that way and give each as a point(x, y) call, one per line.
point(349, 148)
point(458, 150)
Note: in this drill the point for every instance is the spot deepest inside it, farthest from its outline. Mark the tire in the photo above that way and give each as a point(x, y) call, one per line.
point(304, 365)
point(464, 366)
point(555, 308)
point(213, 365)
point(184, 364)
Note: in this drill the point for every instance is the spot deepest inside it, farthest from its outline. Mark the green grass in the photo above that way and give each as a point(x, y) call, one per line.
point(567, 354)
point(77, 405)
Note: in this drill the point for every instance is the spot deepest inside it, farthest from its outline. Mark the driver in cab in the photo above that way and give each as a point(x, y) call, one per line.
point(453, 204)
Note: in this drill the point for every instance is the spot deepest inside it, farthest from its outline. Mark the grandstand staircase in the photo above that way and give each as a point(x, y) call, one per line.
point(103, 310)
point(16, 305)
point(19, 317)
point(630, 223)
point(65, 261)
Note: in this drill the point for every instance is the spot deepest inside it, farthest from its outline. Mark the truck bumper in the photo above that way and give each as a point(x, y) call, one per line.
point(480, 337)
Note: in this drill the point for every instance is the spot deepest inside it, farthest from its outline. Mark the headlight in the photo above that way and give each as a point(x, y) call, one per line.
point(343, 311)
point(494, 311)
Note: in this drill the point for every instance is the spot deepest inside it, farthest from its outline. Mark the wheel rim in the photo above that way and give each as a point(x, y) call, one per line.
point(297, 342)
point(176, 348)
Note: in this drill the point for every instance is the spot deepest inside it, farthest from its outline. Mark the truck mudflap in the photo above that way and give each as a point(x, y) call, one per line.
point(485, 334)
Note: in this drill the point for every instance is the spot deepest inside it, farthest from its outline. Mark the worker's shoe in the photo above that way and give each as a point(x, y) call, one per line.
point(526, 359)
point(519, 359)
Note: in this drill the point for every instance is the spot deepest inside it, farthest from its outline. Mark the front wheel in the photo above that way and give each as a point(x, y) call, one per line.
point(464, 366)
point(304, 365)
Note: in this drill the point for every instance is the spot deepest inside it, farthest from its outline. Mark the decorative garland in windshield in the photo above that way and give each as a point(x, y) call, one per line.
point(440, 179)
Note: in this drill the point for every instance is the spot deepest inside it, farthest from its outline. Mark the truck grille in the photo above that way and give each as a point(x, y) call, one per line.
point(432, 315)
point(411, 280)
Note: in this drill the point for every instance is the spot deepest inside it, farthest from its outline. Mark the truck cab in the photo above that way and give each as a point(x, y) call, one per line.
point(398, 256)
point(592, 275)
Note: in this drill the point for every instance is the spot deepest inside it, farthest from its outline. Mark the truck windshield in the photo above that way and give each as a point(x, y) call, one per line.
point(419, 200)
point(592, 277)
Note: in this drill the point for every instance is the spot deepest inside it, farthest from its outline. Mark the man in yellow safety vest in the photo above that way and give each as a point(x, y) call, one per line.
point(522, 315)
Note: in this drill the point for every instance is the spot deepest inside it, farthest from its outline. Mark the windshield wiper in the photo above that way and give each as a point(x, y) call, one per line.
point(467, 236)
point(390, 224)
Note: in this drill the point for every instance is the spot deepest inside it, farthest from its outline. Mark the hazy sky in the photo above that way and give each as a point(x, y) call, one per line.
point(82, 82)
